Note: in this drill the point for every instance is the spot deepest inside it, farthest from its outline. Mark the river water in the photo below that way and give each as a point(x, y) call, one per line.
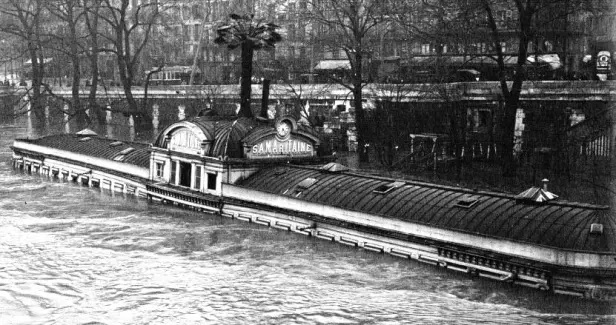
point(70, 254)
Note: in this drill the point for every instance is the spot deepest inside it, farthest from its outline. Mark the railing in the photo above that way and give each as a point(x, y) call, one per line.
point(590, 140)
point(184, 196)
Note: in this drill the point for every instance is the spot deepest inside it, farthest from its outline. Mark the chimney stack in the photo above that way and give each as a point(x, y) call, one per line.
point(545, 182)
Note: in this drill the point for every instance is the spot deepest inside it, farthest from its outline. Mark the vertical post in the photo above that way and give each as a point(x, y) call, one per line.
point(265, 99)
point(108, 119)
point(47, 115)
point(155, 114)
point(67, 128)
point(131, 124)
point(611, 143)
point(181, 112)
point(192, 175)
point(108, 116)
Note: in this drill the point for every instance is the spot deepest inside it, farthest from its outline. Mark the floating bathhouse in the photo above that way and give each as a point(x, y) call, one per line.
point(275, 174)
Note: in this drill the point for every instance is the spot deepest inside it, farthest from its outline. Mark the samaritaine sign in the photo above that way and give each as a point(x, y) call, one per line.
point(281, 143)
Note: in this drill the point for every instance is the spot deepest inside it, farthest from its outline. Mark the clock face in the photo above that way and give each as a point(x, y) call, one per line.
point(283, 129)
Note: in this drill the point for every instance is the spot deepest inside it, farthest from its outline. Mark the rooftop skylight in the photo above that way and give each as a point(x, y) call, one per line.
point(127, 151)
point(306, 183)
point(466, 201)
point(384, 188)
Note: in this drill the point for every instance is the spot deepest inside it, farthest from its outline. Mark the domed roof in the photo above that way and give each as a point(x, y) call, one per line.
point(219, 137)
point(216, 136)
point(229, 135)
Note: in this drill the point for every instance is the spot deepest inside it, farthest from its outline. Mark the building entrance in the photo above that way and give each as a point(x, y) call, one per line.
point(185, 174)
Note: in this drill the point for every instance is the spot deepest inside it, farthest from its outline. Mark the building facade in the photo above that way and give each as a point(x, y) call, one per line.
point(409, 42)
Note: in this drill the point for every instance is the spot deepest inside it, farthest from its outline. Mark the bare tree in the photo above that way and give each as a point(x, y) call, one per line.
point(67, 40)
point(349, 26)
point(130, 30)
point(91, 22)
point(531, 18)
point(24, 20)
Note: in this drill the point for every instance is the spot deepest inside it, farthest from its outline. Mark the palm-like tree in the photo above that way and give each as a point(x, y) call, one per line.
point(249, 34)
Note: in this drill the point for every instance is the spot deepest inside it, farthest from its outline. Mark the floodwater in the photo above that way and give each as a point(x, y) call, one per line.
point(70, 254)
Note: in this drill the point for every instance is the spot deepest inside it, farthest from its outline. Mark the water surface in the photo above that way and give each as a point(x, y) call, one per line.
point(74, 255)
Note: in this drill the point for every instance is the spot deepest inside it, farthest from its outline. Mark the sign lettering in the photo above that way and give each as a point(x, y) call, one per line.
point(184, 140)
point(275, 147)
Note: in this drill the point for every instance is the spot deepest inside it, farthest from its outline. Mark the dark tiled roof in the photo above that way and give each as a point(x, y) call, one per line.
point(555, 224)
point(229, 135)
point(98, 147)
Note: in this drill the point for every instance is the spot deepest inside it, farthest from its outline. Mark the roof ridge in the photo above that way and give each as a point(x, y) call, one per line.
point(460, 189)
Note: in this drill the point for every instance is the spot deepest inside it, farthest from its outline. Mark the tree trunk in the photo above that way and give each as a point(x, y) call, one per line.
point(92, 104)
point(265, 99)
point(82, 119)
point(142, 118)
point(36, 106)
point(360, 123)
point(246, 84)
point(511, 95)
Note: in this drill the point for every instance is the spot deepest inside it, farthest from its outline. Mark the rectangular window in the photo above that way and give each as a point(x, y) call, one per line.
point(425, 48)
point(211, 181)
point(196, 30)
point(186, 32)
point(174, 165)
point(198, 177)
point(160, 169)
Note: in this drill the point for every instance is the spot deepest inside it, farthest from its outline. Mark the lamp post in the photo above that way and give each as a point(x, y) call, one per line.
point(4, 63)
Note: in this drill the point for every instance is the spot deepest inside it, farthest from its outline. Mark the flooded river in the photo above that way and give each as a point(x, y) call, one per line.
point(75, 255)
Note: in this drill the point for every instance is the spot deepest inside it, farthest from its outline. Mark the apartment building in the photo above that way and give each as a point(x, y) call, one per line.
point(409, 36)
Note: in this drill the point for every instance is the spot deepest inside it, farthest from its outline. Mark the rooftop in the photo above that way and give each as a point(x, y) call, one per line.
point(133, 153)
point(560, 224)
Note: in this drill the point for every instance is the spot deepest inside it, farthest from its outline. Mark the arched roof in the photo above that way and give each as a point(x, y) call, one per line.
point(201, 127)
point(227, 136)
point(558, 224)
point(224, 135)
point(134, 153)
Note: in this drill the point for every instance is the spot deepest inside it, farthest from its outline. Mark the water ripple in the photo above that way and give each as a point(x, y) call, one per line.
point(75, 255)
